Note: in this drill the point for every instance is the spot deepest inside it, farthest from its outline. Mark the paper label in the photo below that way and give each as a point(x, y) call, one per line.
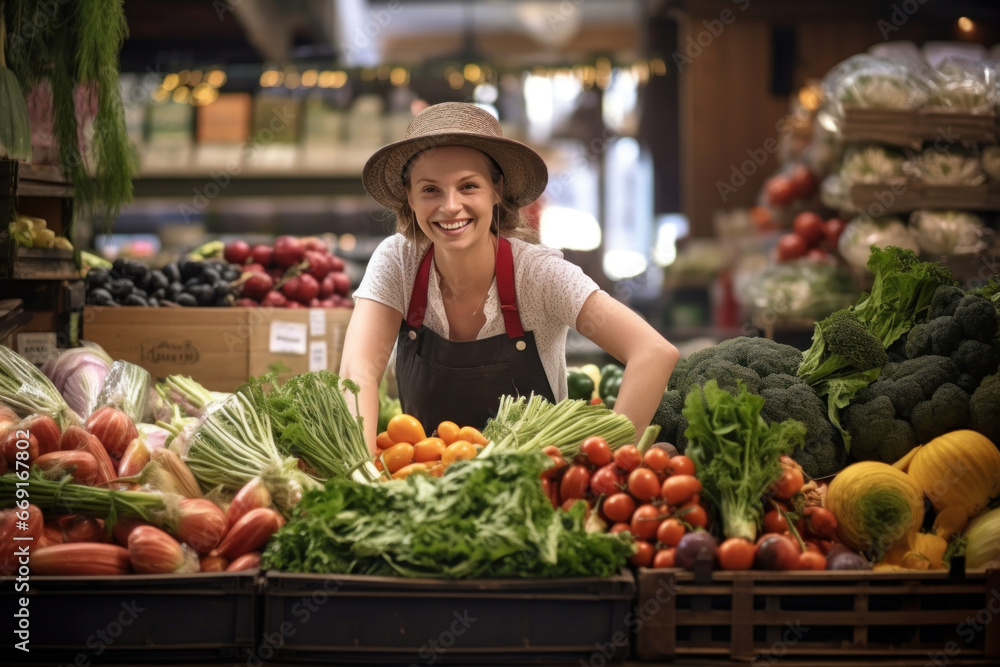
point(36, 347)
point(288, 338)
point(317, 322)
point(317, 355)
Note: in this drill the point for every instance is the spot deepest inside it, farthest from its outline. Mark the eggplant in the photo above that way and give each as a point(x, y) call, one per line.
point(190, 268)
point(100, 297)
point(134, 300)
point(120, 287)
point(96, 277)
point(185, 299)
point(210, 276)
point(171, 272)
point(157, 280)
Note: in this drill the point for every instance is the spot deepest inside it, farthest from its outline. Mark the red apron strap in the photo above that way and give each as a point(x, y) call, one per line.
point(418, 297)
point(505, 289)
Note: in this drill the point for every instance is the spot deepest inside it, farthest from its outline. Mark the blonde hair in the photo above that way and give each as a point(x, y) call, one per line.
point(507, 217)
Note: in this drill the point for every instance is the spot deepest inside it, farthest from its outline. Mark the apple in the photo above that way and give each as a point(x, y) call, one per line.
point(319, 264)
point(262, 254)
point(303, 288)
point(791, 246)
point(341, 283)
point(257, 286)
point(236, 252)
point(288, 251)
point(809, 226)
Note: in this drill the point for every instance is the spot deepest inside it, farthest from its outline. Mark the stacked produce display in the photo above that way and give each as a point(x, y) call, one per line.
point(293, 273)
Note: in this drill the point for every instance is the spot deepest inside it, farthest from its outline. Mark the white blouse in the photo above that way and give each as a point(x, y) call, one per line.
point(550, 293)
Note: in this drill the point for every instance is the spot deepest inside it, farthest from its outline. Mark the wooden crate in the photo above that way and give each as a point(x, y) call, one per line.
point(904, 127)
point(851, 617)
point(219, 347)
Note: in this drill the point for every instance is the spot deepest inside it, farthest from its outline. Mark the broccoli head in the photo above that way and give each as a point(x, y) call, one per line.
point(945, 335)
point(788, 397)
point(984, 408)
point(671, 421)
point(945, 301)
point(842, 346)
point(876, 434)
point(929, 372)
point(967, 383)
point(947, 410)
point(976, 358)
point(990, 291)
point(731, 359)
point(977, 317)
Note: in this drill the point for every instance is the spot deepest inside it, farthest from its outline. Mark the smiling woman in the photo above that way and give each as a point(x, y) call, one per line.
point(474, 309)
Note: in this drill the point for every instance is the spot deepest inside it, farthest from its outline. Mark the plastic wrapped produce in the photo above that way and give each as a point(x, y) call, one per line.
point(872, 163)
point(990, 160)
point(863, 232)
point(801, 289)
point(950, 232)
point(875, 83)
point(952, 166)
point(963, 86)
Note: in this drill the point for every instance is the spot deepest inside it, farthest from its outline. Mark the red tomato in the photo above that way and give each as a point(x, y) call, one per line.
point(596, 450)
point(694, 515)
point(774, 522)
point(832, 229)
point(569, 502)
point(618, 507)
point(681, 465)
point(643, 484)
point(791, 246)
point(670, 532)
point(664, 558)
point(736, 553)
point(645, 522)
point(620, 528)
point(607, 480)
point(788, 484)
point(643, 556)
point(656, 460)
point(575, 482)
point(809, 226)
point(820, 521)
point(811, 560)
point(779, 191)
point(804, 181)
point(679, 489)
point(558, 462)
point(627, 458)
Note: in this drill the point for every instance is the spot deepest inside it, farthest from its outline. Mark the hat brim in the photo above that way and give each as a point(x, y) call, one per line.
point(524, 172)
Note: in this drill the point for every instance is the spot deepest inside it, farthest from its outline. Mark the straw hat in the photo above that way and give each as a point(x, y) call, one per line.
point(456, 124)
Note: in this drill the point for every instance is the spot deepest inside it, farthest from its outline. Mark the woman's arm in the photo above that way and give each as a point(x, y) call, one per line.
point(368, 345)
point(648, 357)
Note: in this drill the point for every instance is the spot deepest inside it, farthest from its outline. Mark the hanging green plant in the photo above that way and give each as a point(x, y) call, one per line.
point(15, 133)
point(74, 47)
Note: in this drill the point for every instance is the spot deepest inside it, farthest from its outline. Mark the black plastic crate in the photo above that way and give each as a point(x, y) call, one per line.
point(141, 619)
point(388, 620)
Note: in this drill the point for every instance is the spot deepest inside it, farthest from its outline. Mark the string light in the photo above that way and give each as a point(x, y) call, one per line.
point(310, 78)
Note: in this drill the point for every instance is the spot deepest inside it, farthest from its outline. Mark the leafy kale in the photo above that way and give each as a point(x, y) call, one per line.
point(486, 517)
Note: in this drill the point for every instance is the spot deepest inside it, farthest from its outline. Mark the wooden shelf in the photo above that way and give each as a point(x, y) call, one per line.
point(914, 127)
point(12, 317)
point(31, 180)
point(907, 197)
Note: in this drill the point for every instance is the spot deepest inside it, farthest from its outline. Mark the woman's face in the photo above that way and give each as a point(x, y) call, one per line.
point(452, 195)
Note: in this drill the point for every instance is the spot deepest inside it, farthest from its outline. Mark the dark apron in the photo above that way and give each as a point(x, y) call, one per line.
point(462, 381)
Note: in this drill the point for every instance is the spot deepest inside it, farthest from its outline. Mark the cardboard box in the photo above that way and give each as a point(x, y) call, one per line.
point(220, 347)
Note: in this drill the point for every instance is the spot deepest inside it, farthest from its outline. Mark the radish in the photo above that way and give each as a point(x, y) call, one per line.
point(236, 252)
point(288, 251)
point(319, 264)
point(262, 254)
point(302, 288)
point(341, 283)
point(257, 285)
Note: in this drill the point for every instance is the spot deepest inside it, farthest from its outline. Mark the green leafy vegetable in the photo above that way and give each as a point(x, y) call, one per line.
point(736, 453)
point(486, 517)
